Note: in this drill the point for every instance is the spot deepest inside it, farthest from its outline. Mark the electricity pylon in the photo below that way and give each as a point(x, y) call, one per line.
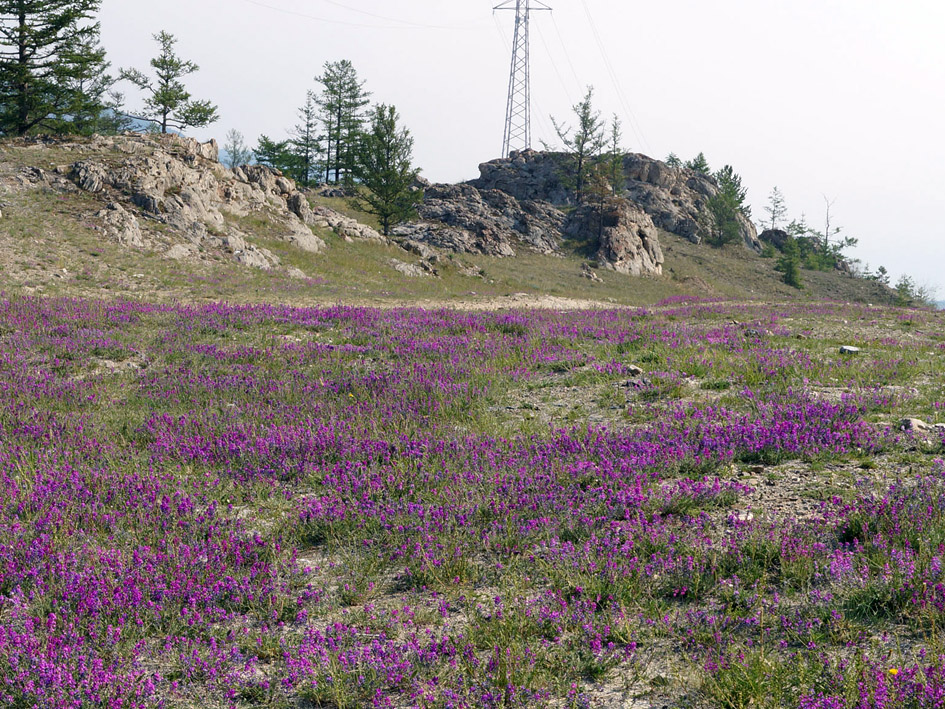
point(518, 112)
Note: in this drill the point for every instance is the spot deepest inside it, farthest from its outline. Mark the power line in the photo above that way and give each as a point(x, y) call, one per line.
point(634, 124)
point(567, 54)
point(404, 24)
point(541, 36)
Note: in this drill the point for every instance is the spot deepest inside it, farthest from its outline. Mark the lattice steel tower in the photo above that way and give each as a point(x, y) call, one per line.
point(518, 112)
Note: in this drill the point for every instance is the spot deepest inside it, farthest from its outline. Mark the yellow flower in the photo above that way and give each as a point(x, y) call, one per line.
point(894, 672)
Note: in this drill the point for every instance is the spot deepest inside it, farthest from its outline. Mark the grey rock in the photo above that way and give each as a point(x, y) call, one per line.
point(178, 182)
point(675, 198)
point(588, 273)
point(849, 350)
point(121, 225)
point(776, 237)
point(915, 425)
point(344, 226)
point(627, 240)
point(427, 253)
point(463, 219)
point(181, 252)
point(89, 176)
point(412, 270)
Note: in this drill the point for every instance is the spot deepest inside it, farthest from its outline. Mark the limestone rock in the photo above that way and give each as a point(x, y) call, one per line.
point(588, 273)
point(181, 252)
point(627, 240)
point(463, 219)
point(427, 253)
point(179, 182)
point(301, 236)
point(675, 198)
point(412, 270)
point(122, 225)
point(915, 425)
point(342, 225)
point(89, 176)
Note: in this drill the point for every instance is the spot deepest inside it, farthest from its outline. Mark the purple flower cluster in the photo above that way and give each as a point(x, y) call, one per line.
point(266, 504)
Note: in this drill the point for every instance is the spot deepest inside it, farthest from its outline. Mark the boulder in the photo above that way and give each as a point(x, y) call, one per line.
point(121, 225)
point(345, 227)
point(776, 237)
point(413, 270)
point(625, 237)
point(427, 253)
point(89, 176)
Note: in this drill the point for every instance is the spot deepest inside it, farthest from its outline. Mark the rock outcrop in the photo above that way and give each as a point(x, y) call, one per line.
point(346, 227)
point(463, 219)
point(178, 182)
point(776, 237)
point(627, 240)
point(675, 198)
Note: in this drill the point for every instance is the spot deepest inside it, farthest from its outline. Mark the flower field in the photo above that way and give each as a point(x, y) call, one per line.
point(695, 505)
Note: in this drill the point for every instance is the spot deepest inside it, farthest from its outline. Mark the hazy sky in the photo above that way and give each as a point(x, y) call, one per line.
point(835, 98)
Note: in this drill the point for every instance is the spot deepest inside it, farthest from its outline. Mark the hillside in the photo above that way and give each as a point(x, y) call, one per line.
point(159, 217)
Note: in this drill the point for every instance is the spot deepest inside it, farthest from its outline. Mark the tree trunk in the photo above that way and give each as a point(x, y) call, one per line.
point(22, 85)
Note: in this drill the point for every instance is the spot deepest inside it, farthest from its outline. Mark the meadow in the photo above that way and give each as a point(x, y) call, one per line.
point(695, 504)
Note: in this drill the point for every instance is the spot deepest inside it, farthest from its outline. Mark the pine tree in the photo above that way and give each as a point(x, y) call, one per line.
point(46, 65)
point(236, 151)
point(725, 206)
point(306, 144)
point(342, 104)
point(723, 209)
point(167, 102)
point(583, 144)
point(699, 164)
point(730, 182)
point(615, 157)
point(672, 160)
point(775, 208)
point(384, 170)
point(789, 264)
point(277, 155)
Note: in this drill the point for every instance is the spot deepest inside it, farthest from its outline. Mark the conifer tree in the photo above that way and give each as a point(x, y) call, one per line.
point(384, 170)
point(789, 263)
point(725, 206)
point(96, 108)
point(698, 164)
point(44, 64)
point(167, 102)
point(584, 143)
point(776, 208)
point(279, 155)
point(342, 104)
point(615, 156)
point(306, 144)
point(236, 151)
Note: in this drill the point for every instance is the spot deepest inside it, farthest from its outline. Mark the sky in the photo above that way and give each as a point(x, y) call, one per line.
point(837, 101)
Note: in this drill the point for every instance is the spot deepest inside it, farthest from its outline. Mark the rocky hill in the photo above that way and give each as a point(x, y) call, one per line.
point(673, 198)
point(148, 214)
